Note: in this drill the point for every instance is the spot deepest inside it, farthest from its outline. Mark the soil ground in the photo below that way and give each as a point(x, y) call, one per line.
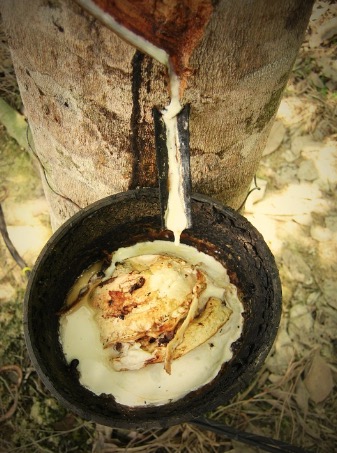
point(292, 397)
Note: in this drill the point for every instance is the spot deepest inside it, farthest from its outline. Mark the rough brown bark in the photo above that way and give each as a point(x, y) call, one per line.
point(88, 97)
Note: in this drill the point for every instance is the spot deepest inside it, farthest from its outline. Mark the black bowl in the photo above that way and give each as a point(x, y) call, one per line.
point(125, 219)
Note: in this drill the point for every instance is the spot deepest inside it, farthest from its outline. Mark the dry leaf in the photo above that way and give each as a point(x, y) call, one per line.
point(307, 171)
point(297, 270)
point(329, 289)
point(302, 397)
point(323, 32)
point(328, 67)
point(275, 138)
point(304, 143)
point(320, 233)
point(319, 381)
point(316, 80)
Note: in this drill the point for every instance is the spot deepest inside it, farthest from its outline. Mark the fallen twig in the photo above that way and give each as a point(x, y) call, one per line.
point(10, 412)
point(9, 244)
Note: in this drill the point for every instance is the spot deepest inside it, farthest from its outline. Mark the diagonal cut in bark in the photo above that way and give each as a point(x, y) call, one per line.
point(175, 26)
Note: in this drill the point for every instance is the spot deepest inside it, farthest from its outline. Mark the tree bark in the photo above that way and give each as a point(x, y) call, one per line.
point(88, 96)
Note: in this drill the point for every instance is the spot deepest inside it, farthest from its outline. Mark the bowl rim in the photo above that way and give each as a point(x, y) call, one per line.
point(64, 229)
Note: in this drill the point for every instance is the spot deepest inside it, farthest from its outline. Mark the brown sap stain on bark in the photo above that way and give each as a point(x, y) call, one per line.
point(144, 169)
point(175, 26)
point(135, 117)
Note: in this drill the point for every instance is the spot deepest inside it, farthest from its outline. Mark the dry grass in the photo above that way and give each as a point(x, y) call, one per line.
point(183, 438)
point(270, 409)
point(280, 410)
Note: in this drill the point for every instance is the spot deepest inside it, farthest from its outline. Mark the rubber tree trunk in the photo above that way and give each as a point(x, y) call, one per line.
point(88, 96)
